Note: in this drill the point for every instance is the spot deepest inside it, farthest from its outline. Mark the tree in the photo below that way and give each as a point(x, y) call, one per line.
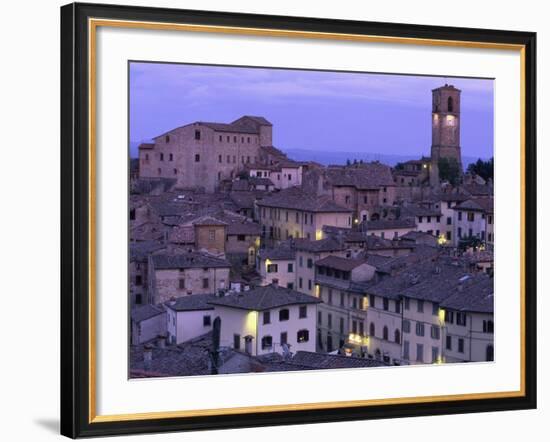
point(399, 166)
point(469, 242)
point(482, 168)
point(449, 170)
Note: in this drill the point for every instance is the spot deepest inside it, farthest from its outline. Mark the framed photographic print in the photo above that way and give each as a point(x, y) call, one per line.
point(279, 220)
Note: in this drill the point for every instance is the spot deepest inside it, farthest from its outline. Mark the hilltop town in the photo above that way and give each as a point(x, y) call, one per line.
point(244, 260)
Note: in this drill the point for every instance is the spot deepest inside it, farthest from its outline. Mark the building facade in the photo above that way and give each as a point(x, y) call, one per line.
point(202, 154)
point(445, 129)
point(268, 319)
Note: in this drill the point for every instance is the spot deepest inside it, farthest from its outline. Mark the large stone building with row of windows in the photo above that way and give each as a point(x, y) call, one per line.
point(202, 154)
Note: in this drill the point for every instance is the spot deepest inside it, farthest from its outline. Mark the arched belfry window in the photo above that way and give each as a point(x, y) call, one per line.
point(450, 104)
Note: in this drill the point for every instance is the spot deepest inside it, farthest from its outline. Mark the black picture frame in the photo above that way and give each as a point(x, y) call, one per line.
point(75, 221)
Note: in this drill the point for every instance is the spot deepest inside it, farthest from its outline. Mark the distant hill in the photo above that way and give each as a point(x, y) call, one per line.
point(337, 157)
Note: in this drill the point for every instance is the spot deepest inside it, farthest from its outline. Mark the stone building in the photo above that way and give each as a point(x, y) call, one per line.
point(283, 173)
point(469, 323)
point(390, 228)
point(445, 129)
point(361, 188)
point(277, 266)
point(202, 154)
point(475, 218)
point(295, 213)
point(242, 240)
point(412, 173)
point(267, 319)
point(138, 269)
point(177, 275)
point(210, 234)
point(307, 253)
point(189, 317)
point(147, 323)
point(407, 321)
point(340, 284)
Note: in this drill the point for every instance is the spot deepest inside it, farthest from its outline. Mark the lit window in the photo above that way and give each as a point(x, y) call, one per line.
point(303, 336)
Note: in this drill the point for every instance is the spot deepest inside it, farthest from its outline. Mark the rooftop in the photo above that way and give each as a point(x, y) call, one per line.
point(402, 223)
point(247, 124)
point(339, 263)
point(144, 312)
point(328, 244)
point(362, 176)
point(282, 252)
point(295, 198)
point(430, 280)
point(191, 303)
point(481, 204)
point(265, 298)
point(187, 260)
point(475, 295)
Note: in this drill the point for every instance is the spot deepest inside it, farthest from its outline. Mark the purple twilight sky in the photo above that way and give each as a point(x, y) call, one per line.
point(310, 110)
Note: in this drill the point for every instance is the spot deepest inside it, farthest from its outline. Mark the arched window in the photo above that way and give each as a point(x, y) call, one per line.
point(267, 342)
point(397, 337)
point(490, 353)
point(450, 104)
point(385, 333)
point(175, 171)
point(371, 329)
point(159, 171)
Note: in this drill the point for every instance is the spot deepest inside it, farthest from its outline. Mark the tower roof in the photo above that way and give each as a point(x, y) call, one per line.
point(447, 87)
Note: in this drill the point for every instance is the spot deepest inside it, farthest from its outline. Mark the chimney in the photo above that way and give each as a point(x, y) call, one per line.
point(147, 356)
point(161, 341)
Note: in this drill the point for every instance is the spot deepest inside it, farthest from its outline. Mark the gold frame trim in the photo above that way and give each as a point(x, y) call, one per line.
point(93, 24)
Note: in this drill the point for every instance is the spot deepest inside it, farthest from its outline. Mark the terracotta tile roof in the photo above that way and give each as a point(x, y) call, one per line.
point(428, 280)
point(417, 210)
point(283, 252)
point(208, 221)
point(327, 244)
point(363, 177)
point(140, 251)
point(191, 303)
point(188, 260)
point(323, 360)
point(265, 298)
point(337, 262)
point(482, 204)
point(403, 223)
point(295, 198)
point(475, 295)
point(144, 312)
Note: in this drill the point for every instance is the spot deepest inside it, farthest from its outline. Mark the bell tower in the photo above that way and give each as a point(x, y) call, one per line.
point(445, 128)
